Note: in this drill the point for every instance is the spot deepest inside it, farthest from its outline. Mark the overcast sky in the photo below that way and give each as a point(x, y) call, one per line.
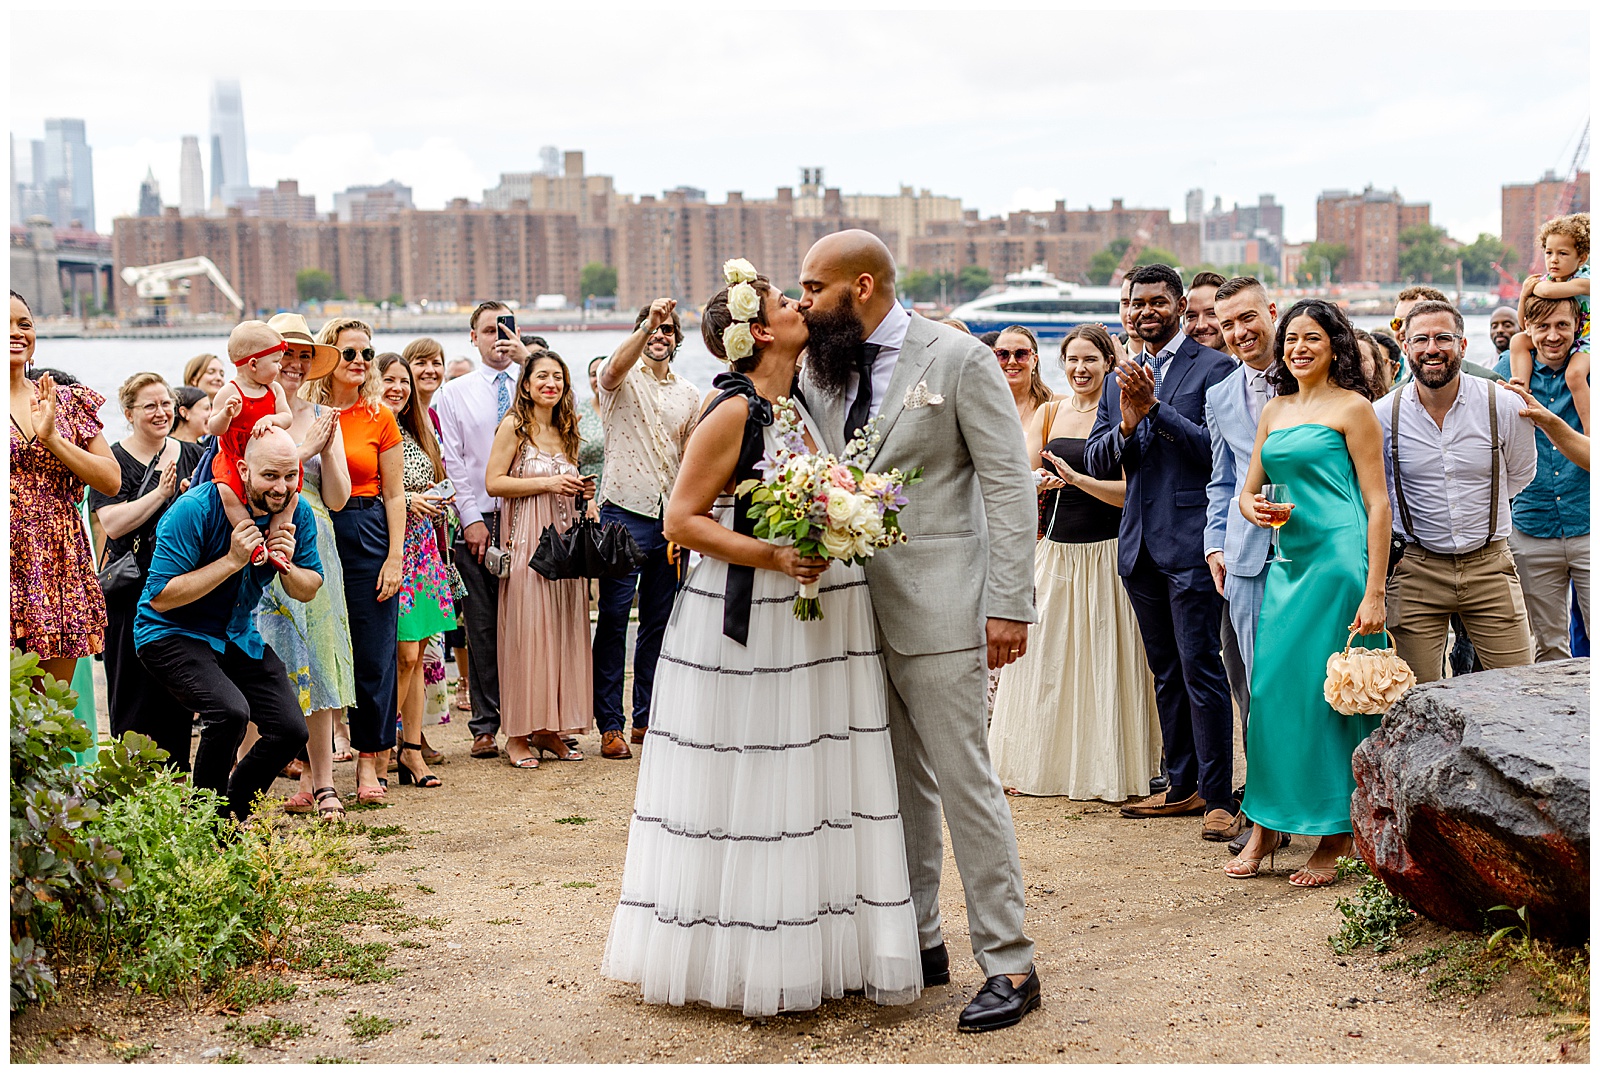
point(1005, 110)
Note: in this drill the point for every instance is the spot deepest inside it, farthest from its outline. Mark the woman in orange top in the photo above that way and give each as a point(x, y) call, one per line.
point(370, 532)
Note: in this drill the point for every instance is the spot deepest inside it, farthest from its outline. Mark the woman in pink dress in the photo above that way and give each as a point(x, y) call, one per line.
point(545, 666)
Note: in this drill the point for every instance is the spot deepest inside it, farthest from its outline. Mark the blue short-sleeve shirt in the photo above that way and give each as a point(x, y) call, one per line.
point(1556, 501)
point(195, 532)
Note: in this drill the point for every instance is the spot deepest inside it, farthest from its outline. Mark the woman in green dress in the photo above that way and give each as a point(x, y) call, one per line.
point(1321, 440)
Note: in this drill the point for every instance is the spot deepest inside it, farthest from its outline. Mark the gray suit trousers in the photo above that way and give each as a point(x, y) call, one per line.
point(936, 709)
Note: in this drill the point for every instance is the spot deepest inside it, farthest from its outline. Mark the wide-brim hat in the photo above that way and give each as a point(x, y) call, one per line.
point(292, 326)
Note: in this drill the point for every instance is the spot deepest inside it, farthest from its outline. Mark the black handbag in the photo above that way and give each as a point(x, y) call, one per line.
point(587, 550)
point(123, 575)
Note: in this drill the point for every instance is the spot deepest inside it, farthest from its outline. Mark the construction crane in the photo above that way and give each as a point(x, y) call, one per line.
point(157, 284)
point(1136, 245)
point(1569, 193)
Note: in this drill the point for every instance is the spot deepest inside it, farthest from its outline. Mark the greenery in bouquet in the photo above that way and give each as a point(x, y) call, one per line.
point(827, 506)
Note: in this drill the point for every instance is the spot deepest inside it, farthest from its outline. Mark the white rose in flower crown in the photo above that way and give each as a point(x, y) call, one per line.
point(738, 270)
point(737, 341)
point(840, 544)
point(841, 506)
point(744, 303)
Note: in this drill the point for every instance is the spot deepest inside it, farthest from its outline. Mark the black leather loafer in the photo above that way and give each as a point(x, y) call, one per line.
point(935, 966)
point(1000, 1004)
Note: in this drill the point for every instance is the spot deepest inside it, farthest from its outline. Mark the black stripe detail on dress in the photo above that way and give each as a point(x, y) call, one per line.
point(822, 912)
point(773, 600)
point(728, 837)
point(769, 671)
point(760, 747)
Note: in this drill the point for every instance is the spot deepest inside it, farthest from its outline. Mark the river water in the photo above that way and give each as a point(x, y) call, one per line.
point(103, 364)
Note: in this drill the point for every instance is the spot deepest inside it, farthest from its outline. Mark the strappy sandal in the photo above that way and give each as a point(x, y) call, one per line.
point(408, 777)
point(570, 754)
point(431, 755)
point(1243, 868)
point(365, 795)
point(529, 762)
point(299, 802)
point(329, 808)
point(1314, 878)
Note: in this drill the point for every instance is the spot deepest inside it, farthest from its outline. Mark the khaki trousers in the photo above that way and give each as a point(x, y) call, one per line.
point(1548, 567)
point(1481, 586)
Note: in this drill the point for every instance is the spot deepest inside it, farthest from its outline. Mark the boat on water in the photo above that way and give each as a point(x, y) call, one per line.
point(1046, 306)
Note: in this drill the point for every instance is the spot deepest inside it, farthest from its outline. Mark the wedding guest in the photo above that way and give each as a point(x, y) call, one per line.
point(647, 412)
point(1394, 357)
point(425, 358)
point(1200, 310)
point(957, 324)
point(458, 367)
point(533, 469)
point(1318, 438)
point(426, 606)
point(1404, 303)
point(192, 409)
point(155, 469)
point(1375, 381)
point(370, 534)
point(470, 409)
point(1550, 517)
point(1018, 353)
point(57, 608)
point(207, 372)
point(592, 455)
point(1075, 715)
point(1455, 519)
point(312, 638)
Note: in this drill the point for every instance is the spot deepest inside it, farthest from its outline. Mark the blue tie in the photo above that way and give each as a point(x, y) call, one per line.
point(1156, 365)
point(502, 395)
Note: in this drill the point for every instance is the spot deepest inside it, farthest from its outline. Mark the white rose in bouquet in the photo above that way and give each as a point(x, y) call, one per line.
point(840, 543)
point(865, 513)
point(744, 303)
point(841, 506)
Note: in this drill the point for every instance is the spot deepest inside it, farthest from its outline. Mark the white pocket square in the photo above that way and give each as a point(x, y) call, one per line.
point(919, 397)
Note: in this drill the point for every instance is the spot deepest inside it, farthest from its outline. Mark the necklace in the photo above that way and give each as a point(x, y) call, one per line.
point(1073, 403)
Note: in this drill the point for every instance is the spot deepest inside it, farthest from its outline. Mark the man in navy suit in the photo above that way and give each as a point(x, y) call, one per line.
point(1151, 430)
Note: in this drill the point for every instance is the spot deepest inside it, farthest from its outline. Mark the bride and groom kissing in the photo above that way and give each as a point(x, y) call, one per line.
point(785, 844)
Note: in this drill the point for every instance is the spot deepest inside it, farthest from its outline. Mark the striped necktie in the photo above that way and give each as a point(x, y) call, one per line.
point(502, 396)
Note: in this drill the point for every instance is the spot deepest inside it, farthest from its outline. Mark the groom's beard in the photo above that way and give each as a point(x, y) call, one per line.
point(835, 348)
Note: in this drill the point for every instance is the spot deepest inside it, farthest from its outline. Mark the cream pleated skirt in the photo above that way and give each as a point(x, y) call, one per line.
point(1076, 715)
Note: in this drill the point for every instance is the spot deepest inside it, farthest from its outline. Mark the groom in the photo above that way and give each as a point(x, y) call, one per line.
point(954, 600)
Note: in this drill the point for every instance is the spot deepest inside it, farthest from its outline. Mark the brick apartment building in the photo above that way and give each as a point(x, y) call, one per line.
point(1368, 224)
point(1524, 207)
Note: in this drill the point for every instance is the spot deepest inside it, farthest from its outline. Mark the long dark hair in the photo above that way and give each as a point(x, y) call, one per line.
point(412, 419)
point(563, 416)
point(1346, 370)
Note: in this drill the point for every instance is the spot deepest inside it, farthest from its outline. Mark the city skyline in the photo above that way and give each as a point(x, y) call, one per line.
point(1001, 136)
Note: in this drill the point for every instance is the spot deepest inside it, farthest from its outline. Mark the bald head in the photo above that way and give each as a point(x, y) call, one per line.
point(270, 471)
point(1502, 326)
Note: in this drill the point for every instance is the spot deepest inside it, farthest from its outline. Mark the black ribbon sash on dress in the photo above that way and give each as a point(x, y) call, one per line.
point(740, 588)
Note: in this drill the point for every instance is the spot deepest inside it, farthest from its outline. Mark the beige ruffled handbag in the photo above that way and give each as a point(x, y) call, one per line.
point(1366, 682)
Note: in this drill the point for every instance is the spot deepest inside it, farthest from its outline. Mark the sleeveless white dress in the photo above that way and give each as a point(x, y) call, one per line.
point(766, 865)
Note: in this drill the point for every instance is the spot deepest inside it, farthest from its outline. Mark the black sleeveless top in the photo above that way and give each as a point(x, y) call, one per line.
point(1071, 514)
point(740, 588)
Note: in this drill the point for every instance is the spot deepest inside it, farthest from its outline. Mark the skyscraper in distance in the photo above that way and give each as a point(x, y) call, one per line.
point(230, 172)
point(191, 180)
point(149, 194)
point(68, 173)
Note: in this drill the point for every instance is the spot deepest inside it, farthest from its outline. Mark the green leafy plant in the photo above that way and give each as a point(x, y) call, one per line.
point(1520, 934)
point(364, 1027)
point(262, 1034)
point(574, 819)
point(1373, 916)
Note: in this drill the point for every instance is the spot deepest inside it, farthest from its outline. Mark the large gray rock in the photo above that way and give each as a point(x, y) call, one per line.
point(1474, 792)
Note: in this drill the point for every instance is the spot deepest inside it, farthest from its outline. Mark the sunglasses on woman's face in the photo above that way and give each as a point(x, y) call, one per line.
point(350, 354)
point(1021, 354)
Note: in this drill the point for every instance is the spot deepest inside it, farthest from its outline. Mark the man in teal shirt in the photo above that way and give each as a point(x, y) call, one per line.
point(1550, 518)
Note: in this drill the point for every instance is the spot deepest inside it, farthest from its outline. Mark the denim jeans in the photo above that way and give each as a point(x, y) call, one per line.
point(657, 584)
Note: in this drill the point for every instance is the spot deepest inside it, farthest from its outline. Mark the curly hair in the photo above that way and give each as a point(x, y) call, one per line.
point(563, 416)
point(321, 389)
point(1574, 226)
point(1346, 369)
point(716, 319)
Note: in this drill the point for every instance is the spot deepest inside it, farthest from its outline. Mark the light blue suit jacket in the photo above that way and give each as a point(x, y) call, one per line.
point(1233, 441)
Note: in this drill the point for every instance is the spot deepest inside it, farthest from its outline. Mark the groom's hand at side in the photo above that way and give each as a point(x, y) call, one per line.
point(1008, 640)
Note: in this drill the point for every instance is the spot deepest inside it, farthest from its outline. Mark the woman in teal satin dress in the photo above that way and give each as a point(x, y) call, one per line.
point(1321, 439)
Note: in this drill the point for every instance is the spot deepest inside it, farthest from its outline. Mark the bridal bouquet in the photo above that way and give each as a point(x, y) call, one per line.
point(826, 506)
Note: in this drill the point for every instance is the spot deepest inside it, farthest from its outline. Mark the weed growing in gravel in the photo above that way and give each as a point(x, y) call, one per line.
point(431, 1034)
point(330, 1059)
point(262, 1034)
point(503, 921)
point(411, 945)
point(230, 1057)
point(364, 1027)
point(578, 884)
point(1373, 916)
point(574, 819)
point(1459, 964)
point(127, 1053)
point(245, 990)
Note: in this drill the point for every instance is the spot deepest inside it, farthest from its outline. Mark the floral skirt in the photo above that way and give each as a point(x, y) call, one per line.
point(426, 606)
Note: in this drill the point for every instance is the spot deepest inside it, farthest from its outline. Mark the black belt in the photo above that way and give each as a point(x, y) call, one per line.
point(363, 501)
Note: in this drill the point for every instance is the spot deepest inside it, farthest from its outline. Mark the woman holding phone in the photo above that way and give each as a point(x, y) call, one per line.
point(426, 606)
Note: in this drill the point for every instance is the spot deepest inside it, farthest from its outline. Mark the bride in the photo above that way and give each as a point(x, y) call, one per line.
point(766, 865)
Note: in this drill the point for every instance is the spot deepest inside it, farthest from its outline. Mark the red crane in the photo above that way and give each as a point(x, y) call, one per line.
point(1136, 245)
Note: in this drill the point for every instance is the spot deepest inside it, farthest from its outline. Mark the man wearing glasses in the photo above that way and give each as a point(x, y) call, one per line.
point(1403, 305)
point(1453, 464)
point(646, 412)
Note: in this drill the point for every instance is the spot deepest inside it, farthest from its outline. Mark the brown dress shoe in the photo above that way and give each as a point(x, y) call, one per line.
point(1158, 806)
point(483, 746)
point(614, 746)
point(1219, 825)
point(637, 737)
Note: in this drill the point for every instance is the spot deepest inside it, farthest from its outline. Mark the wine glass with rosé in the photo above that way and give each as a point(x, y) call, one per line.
point(1275, 512)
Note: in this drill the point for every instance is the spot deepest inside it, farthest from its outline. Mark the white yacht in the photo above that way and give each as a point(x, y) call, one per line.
point(1048, 307)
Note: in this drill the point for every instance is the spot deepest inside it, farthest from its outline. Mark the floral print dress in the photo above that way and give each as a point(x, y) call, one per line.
point(426, 606)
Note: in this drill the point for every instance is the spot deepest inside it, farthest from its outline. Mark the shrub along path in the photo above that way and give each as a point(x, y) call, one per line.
point(476, 936)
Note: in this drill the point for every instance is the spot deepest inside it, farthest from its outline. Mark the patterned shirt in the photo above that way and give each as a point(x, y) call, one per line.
point(646, 422)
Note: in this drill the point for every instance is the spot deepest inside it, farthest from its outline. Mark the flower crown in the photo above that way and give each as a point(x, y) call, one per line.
point(744, 305)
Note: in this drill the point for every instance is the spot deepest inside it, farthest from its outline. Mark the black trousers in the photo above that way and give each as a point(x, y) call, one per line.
point(229, 690)
point(361, 532)
point(137, 700)
point(480, 618)
point(1180, 619)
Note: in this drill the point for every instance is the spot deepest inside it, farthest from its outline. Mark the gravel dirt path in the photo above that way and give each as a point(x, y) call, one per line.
point(1146, 953)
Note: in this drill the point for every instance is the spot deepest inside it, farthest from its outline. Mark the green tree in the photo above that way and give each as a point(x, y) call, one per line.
point(1311, 266)
point(1103, 264)
point(1424, 254)
point(313, 285)
point(597, 279)
point(1478, 260)
point(396, 300)
point(972, 281)
point(919, 286)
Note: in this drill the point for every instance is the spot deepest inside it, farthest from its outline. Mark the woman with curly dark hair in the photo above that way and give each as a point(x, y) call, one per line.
point(1320, 446)
point(533, 467)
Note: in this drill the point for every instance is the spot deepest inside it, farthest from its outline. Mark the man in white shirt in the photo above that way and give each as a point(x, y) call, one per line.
point(470, 408)
point(1453, 464)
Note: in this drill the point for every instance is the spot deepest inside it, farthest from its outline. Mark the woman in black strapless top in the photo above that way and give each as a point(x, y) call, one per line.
point(1076, 716)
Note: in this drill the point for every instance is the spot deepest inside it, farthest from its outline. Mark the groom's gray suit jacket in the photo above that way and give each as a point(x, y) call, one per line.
point(973, 518)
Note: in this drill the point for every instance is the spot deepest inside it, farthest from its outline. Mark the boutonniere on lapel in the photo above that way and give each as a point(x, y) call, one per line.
point(919, 397)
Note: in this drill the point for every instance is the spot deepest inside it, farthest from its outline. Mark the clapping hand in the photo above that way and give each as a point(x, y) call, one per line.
point(167, 484)
point(1069, 476)
point(44, 410)
point(320, 435)
point(1137, 387)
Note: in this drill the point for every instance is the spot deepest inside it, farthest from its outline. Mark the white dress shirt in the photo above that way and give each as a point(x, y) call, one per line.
point(890, 336)
point(1256, 392)
point(1445, 469)
point(467, 408)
